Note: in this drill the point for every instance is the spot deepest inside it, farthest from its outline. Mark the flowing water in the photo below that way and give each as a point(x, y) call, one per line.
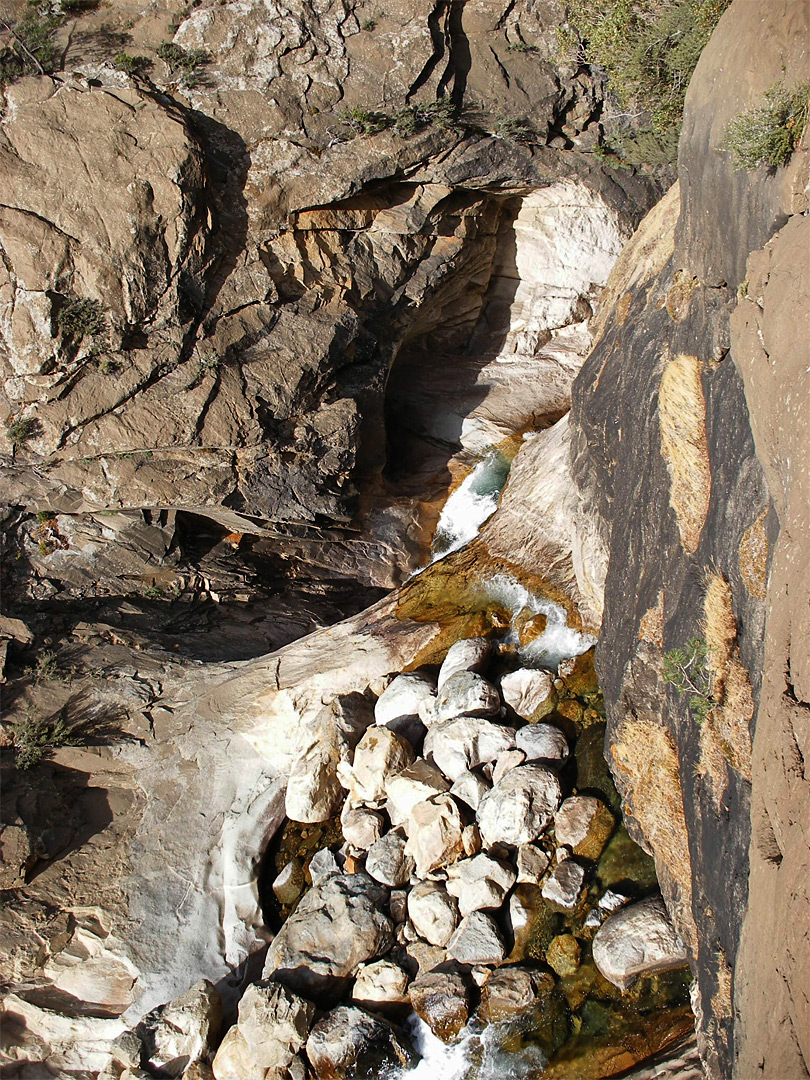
point(471, 504)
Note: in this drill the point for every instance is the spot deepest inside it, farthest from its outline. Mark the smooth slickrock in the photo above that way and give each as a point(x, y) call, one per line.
point(402, 697)
point(529, 692)
point(469, 654)
point(542, 742)
point(457, 746)
point(351, 1042)
point(442, 1000)
point(380, 985)
point(379, 754)
point(288, 885)
point(636, 940)
point(388, 862)
point(470, 788)
point(339, 924)
point(433, 912)
point(361, 827)
point(507, 761)
point(434, 834)
point(510, 990)
point(413, 785)
point(467, 694)
point(477, 941)
point(480, 883)
point(563, 954)
point(532, 863)
point(272, 1027)
point(583, 824)
point(520, 807)
point(183, 1030)
point(563, 887)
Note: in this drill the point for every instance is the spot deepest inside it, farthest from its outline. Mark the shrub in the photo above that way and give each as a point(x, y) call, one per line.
point(367, 121)
point(688, 671)
point(35, 736)
point(79, 318)
point(32, 49)
point(369, 25)
point(404, 122)
point(509, 127)
point(132, 65)
point(521, 47)
point(22, 429)
point(185, 62)
point(768, 134)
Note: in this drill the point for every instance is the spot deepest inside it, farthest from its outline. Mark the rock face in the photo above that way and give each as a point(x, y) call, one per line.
point(636, 940)
point(338, 925)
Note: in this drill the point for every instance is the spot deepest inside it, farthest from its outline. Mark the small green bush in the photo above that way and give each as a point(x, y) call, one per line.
point(186, 62)
point(34, 737)
point(32, 49)
point(22, 429)
point(688, 671)
point(132, 65)
point(768, 134)
point(509, 127)
point(404, 122)
point(369, 25)
point(521, 47)
point(79, 318)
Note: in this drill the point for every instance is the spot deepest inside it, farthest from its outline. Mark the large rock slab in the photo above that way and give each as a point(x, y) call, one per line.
point(338, 925)
point(636, 940)
point(519, 808)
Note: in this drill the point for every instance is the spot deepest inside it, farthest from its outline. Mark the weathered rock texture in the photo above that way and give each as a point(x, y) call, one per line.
point(690, 499)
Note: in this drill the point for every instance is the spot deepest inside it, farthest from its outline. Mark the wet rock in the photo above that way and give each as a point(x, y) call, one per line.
point(322, 865)
point(379, 754)
point(564, 886)
point(532, 922)
point(469, 654)
point(338, 925)
point(635, 940)
point(434, 834)
point(480, 883)
point(520, 807)
point(417, 783)
point(477, 941)
point(289, 884)
point(467, 694)
point(400, 701)
point(512, 989)
point(459, 745)
point(542, 742)
point(433, 912)
point(532, 863)
point(564, 954)
point(381, 985)
point(470, 788)
point(388, 862)
point(529, 692)
point(361, 827)
point(183, 1030)
point(584, 824)
point(442, 1000)
point(272, 1026)
point(505, 763)
point(350, 1042)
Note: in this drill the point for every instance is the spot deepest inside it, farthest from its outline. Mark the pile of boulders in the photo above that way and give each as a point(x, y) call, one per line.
point(457, 828)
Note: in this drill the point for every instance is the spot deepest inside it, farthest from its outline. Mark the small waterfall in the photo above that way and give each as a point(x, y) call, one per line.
point(478, 1054)
point(471, 504)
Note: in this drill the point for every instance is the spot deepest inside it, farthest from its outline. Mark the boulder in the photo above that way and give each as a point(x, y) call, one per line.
point(322, 865)
point(477, 941)
point(470, 788)
point(459, 745)
point(469, 654)
point(542, 742)
point(511, 990)
point(313, 790)
point(272, 1026)
point(380, 986)
point(398, 905)
point(563, 954)
point(529, 692)
point(584, 824)
point(401, 699)
point(433, 912)
point(434, 834)
point(289, 884)
point(480, 883)
point(350, 1042)
point(507, 761)
point(423, 957)
point(532, 923)
point(338, 925)
point(183, 1030)
point(564, 886)
point(467, 694)
point(636, 940)
point(442, 1000)
point(388, 862)
point(379, 754)
point(532, 863)
point(413, 785)
point(520, 807)
point(361, 827)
